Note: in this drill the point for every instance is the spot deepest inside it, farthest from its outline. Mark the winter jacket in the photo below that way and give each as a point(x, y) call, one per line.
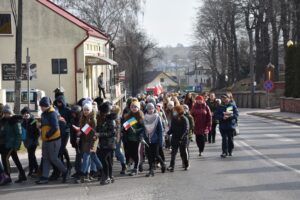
point(231, 122)
point(73, 133)
point(32, 132)
point(87, 141)
point(49, 125)
point(157, 136)
point(213, 105)
point(107, 132)
point(11, 132)
point(202, 118)
point(179, 129)
point(136, 132)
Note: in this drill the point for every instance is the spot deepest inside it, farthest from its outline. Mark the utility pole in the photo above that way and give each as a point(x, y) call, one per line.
point(28, 77)
point(18, 79)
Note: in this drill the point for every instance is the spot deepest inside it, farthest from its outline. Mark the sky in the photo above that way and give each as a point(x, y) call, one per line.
point(170, 22)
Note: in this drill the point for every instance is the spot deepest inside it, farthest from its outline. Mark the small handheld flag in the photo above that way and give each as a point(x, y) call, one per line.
point(129, 123)
point(86, 129)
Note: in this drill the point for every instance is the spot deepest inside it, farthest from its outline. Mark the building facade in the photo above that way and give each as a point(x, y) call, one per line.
point(64, 51)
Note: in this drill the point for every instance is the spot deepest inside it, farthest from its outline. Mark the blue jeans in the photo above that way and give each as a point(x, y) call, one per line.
point(87, 159)
point(119, 154)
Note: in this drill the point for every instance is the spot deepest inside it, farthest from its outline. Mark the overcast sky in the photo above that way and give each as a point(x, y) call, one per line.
point(170, 22)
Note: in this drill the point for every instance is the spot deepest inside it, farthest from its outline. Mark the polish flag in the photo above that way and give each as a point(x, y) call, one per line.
point(86, 129)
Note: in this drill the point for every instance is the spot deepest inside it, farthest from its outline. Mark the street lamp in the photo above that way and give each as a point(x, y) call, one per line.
point(290, 43)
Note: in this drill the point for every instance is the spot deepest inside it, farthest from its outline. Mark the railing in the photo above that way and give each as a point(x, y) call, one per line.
point(117, 91)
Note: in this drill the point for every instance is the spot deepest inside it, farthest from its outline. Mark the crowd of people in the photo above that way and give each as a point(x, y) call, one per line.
point(147, 127)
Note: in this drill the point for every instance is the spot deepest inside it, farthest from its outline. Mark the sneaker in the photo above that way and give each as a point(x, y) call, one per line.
point(42, 180)
point(187, 167)
point(112, 179)
point(105, 182)
point(163, 169)
point(141, 169)
point(229, 154)
point(150, 173)
point(170, 169)
point(200, 154)
point(133, 172)
point(4, 179)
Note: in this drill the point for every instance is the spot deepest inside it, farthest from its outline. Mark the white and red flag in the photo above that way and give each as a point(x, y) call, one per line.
point(86, 129)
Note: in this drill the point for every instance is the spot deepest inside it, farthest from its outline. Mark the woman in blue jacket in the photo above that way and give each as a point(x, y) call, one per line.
point(227, 114)
point(153, 137)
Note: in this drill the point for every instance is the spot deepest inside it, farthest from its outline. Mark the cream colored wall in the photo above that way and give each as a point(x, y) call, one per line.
point(48, 36)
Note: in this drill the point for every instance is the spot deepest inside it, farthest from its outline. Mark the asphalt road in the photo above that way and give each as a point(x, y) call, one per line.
point(265, 165)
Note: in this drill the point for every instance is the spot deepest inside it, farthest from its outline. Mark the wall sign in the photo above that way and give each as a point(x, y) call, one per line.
point(9, 72)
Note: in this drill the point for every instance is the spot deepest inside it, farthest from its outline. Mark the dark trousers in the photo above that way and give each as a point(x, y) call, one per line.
point(63, 153)
point(33, 165)
point(77, 160)
point(106, 157)
point(5, 155)
point(183, 152)
point(132, 150)
point(162, 154)
point(200, 140)
point(152, 153)
point(227, 140)
point(103, 92)
point(212, 134)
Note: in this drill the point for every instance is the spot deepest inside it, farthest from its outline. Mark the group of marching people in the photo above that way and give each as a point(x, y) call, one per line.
point(98, 131)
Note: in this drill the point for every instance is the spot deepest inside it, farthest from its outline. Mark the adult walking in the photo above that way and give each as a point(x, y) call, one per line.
point(202, 117)
point(212, 104)
point(227, 114)
point(51, 138)
point(179, 130)
point(189, 100)
point(154, 138)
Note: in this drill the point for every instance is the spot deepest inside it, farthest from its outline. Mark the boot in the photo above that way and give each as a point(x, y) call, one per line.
point(163, 168)
point(123, 171)
point(22, 177)
point(170, 169)
point(133, 172)
point(4, 179)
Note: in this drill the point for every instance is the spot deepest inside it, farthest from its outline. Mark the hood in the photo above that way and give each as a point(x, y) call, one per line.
point(111, 116)
point(61, 99)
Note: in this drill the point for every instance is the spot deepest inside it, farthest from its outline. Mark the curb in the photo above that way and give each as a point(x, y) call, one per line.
point(278, 118)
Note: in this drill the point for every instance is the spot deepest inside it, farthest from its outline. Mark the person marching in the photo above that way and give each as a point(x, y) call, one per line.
point(202, 118)
point(106, 127)
point(154, 138)
point(189, 100)
point(133, 131)
point(227, 114)
point(51, 138)
point(188, 115)
point(88, 141)
point(11, 140)
point(212, 104)
point(29, 125)
point(179, 130)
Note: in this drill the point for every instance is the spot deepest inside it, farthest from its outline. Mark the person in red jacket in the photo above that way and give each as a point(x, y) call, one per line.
point(203, 119)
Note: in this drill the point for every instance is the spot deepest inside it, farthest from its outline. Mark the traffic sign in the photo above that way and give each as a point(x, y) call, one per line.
point(268, 85)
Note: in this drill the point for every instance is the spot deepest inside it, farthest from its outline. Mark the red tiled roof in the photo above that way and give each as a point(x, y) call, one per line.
point(91, 30)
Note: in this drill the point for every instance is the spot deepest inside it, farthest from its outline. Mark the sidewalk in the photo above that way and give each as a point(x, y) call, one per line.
point(275, 114)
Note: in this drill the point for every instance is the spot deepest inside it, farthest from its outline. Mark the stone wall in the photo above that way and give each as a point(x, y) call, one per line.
point(288, 104)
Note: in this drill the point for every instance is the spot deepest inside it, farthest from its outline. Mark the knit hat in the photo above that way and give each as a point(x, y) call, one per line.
point(136, 103)
point(76, 109)
point(88, 106)
point(186, 108)
point(171, 104)
point(45, 102)
point(25, 110)
point(199, 98)
point(150, 106)
point(87, 101)
point(7, 109)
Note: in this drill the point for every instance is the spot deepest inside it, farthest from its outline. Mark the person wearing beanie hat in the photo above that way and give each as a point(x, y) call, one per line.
point(51, 138)
point(10, 142)
point(154, 138)
point(29, 125)
point(188, 115)
point(133, 136)
point(203, 122)
point(87, 101)
point(87, 107)
point(179, 130)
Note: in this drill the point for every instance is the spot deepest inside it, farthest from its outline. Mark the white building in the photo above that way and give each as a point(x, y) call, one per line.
point(63, 49)
point(199, 76)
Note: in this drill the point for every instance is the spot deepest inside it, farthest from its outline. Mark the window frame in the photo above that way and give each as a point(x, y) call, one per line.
point(11, 24)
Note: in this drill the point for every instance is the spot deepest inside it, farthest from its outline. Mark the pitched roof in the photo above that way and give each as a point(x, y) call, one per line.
point(149, 76)
point(75, 20)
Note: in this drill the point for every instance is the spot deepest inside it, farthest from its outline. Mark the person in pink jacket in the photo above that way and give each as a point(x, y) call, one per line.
point(203, 119)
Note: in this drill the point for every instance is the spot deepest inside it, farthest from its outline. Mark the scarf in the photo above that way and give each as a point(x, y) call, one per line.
point(150, 124)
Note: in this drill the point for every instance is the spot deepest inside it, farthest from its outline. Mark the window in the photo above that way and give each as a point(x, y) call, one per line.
point(59, 66)
point(162, 80)
point(5, 24)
